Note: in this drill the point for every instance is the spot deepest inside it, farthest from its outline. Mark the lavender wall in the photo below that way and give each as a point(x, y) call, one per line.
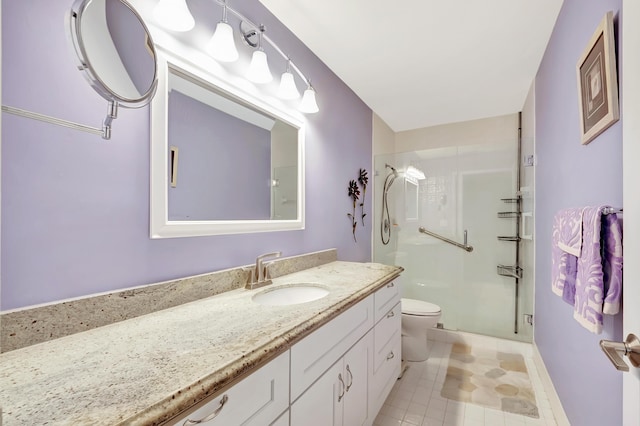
point(223, 164)
point(75, 209)
point(569, 174)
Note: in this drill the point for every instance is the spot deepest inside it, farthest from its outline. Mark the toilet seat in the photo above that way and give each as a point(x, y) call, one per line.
point(419, 308)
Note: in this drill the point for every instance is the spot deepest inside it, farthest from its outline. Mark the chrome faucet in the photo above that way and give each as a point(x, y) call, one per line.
point(259, 274)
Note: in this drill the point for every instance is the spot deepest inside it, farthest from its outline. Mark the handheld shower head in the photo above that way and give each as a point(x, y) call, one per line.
point(393, 170)
point(385, 224)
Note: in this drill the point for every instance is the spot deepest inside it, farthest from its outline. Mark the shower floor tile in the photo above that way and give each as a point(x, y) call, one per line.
point(415, 399)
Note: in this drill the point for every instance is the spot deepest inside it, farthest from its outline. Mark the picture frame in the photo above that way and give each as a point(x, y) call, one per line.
point(598, 82)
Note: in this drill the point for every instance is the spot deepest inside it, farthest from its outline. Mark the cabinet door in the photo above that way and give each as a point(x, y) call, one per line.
point(314, 354)
point(321, 404)
point(283, 420)
point(358, 368)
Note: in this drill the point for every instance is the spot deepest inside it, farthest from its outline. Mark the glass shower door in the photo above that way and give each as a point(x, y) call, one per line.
point(462, 190)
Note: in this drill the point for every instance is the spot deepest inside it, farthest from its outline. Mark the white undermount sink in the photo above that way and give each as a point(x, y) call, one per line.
point(290, 295)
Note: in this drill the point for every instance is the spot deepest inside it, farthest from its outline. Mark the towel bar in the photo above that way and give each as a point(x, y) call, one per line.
point(611, 210)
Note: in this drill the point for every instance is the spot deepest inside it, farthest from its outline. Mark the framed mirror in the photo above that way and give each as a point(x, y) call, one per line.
point(222, 162)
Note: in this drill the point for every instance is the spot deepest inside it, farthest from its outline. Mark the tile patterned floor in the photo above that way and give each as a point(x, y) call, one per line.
point(415, 399)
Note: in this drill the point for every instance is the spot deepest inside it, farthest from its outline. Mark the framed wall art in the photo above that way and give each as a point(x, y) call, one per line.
point(598, 82)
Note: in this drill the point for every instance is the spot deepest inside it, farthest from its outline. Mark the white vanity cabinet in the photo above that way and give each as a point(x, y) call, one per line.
point(327, 363)
point(258, 400)
point(339, 375)
point(314, 354)
point(339, 396)
point(331, 368)
point(283, 420)
point(387, 345)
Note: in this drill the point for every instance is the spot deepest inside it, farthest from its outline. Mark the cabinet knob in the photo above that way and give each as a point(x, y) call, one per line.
point(390, 356)
point(350, 378)
point(390, 314)
point(211, 416)
point(391, 285)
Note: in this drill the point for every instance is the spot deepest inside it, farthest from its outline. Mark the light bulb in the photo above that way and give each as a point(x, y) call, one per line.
point(174, 15)
point(222, 47)
point(308, 104)
point(259, 68)
point(287, 88)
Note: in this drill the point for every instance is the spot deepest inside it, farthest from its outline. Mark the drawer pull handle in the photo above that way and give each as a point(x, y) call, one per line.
point(390, 356)
point(391, 285)
point(211, 416)
point(350, 378)
point(390, 314)
point(341, 390)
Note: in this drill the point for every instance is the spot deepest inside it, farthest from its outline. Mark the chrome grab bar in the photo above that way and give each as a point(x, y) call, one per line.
point(464, 246)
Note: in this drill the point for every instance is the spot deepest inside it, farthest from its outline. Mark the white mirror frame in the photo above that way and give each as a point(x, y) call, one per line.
point(160, 225)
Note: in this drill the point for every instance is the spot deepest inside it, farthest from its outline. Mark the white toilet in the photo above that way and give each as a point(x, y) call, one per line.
point(417, 318)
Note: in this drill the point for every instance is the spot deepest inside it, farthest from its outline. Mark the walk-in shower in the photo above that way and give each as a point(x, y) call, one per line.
point(448, 230)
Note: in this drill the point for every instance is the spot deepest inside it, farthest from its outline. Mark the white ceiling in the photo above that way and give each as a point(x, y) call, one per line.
point(419, 63)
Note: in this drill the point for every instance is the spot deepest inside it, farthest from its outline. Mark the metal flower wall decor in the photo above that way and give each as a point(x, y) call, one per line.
point(363, 180)
point(354, 193)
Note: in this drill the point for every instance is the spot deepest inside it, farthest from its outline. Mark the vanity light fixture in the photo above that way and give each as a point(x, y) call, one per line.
point(174, 15)
point(288, 88)
point(259, 67)
point(222, 47)
point(308, 104)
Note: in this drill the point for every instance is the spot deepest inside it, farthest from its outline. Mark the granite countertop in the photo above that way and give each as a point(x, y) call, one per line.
point(148, 369)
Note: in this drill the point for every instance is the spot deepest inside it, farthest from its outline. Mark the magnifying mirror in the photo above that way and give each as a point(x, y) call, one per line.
point(115, 52)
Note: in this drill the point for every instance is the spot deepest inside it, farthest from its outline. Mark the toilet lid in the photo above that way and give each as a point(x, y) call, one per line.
point(419, 307)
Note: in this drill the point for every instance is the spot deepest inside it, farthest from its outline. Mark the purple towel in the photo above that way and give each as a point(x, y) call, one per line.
point(591, 290)
point(612, 263)
point(565, 249)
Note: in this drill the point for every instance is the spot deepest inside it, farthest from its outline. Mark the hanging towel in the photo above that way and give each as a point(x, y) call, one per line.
point(612, 263)
point(566, 247)
point(570, 237)
point(591, 290)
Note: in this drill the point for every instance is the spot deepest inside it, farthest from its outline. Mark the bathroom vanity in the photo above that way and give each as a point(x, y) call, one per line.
point(328, 361)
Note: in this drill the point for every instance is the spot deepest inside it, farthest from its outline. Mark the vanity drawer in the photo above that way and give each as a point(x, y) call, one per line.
point(385, 299)
point(256, 400)
point(385, 377)
point(314, 354)
point(385, 334)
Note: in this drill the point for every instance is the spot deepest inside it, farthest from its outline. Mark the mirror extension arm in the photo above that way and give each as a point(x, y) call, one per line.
point(105, 131)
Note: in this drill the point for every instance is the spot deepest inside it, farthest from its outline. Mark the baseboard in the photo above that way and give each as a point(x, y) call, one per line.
point(554, 399)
